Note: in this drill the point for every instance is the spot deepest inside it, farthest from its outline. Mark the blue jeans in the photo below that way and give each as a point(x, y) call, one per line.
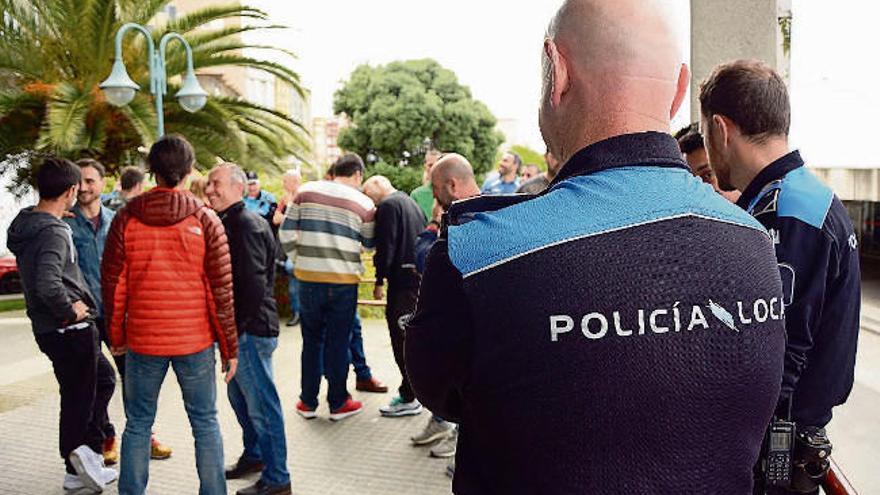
point(292, 287)
point(327, 312)
point(356, 351)
point(254, 399)
point(143, 379)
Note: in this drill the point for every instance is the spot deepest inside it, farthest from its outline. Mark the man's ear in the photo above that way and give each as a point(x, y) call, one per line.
point(724, 128)
point(557, 71)
point(681, 87)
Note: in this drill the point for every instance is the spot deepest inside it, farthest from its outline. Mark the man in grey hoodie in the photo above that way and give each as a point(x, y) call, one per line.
point(61, 310)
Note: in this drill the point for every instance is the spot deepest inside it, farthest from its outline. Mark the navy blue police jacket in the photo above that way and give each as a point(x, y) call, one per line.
point(621, 332)
point(818, 257)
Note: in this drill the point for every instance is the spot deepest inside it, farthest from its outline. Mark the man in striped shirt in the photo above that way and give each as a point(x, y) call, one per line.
point(323, 232)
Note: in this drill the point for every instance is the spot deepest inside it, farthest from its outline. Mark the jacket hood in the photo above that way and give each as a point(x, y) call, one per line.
point(27, 225)
point(161, 206)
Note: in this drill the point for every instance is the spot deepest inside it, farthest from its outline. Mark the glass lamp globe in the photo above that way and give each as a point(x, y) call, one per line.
point(119, 89)
point(191, 96)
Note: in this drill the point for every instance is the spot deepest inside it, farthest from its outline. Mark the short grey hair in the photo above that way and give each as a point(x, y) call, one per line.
point(293, 172)
point(236, 174)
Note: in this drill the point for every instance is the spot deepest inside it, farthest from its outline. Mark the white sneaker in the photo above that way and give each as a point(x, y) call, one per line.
point(446, 448)
point(398, 408)
point(109, 475)
point(434, 430)
point(89, 468)
point(72, 482)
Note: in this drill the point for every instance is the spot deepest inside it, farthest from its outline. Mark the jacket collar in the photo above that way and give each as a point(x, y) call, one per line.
point(235, 208)
point(105, 213)
point(655, 149)
point(773, 172)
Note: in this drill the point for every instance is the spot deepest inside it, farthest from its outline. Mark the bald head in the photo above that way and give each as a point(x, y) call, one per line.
point(452, 178)
point(378, 187)
point(610, 68)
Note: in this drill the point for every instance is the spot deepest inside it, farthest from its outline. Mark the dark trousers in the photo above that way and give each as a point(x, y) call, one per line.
point(106, 426)
point(356, 351)
point(401, 303)
point(86, 382)
point(327, 312)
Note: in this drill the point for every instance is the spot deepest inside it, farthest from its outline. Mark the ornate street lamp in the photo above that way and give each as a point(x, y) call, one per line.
point(119, 89)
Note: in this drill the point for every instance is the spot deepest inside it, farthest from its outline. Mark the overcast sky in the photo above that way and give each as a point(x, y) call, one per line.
point(494, 47)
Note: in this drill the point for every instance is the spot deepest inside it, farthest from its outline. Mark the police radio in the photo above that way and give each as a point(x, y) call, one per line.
point(780, 446)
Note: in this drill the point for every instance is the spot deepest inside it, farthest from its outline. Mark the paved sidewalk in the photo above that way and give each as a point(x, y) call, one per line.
point(365, 454)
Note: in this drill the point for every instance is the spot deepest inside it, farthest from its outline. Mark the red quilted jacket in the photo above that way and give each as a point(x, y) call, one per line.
point(166, 277)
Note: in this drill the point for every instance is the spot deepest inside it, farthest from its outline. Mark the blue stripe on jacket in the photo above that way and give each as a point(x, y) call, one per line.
point(608, 200)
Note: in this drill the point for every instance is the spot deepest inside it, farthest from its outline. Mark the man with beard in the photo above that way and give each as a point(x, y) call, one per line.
point(746, 117)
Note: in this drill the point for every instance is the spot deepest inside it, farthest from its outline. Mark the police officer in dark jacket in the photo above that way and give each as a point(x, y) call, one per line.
point(746, 116)
point(622, 332)
point(252, 392)
point(399, 221)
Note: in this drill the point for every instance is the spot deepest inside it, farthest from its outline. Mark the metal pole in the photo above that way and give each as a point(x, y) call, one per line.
point(151, 54)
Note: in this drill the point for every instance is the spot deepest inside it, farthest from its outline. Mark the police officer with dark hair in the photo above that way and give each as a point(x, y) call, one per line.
point(746, 118)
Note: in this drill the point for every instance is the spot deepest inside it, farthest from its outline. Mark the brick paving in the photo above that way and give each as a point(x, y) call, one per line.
point(365, 454)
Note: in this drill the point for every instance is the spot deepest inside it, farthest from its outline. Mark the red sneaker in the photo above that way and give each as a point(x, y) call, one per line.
point(350, 408)
point(305, 411)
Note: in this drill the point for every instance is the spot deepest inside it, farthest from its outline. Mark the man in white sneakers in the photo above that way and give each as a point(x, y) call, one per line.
point(62, 313)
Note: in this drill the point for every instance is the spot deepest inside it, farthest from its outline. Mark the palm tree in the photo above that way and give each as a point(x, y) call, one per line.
point(54, 53)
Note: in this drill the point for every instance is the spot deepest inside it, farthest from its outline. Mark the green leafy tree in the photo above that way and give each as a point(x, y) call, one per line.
point(54, 53)
point(394, 107)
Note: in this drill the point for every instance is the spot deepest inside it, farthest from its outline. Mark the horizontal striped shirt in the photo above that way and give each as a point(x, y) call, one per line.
point(324, 230)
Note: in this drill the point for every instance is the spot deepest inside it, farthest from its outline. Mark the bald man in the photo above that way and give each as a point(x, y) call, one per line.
point(577, 347)
point(453, 179)
point(399, 220)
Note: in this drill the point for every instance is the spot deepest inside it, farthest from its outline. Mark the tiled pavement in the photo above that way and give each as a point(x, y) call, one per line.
point(365, 454)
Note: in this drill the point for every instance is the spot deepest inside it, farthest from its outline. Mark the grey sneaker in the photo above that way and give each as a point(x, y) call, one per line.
point(434, 430)
point(446, 448)
point(398, 408)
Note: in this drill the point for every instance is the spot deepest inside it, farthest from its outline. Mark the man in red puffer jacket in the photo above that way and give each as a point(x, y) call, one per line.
point(167, 285)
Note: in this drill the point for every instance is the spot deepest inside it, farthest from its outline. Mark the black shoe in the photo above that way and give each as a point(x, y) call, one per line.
point(260, 488)
point(293, 321)
point(243, 467)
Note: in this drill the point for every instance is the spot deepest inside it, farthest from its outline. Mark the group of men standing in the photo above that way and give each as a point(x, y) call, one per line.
point(166, 280)
point(621, 328)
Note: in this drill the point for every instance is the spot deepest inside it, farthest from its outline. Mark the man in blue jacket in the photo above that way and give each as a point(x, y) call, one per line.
point(745, 118)
point(576, 344)
point(89, 224)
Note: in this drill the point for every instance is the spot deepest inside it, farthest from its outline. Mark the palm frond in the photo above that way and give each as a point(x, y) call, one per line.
point(65, 122)
point(101, 18)
point(198, 19)
point(200, 38)
point(140, 11)
point(141, 116)
point(280, 71)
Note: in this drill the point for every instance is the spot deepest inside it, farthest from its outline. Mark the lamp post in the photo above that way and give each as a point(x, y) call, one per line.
point(120, 89)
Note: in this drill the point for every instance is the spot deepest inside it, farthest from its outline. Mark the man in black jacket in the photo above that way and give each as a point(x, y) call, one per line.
point(575, 344)
point(399, 221)
point(252, 391)
point(62, 312)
